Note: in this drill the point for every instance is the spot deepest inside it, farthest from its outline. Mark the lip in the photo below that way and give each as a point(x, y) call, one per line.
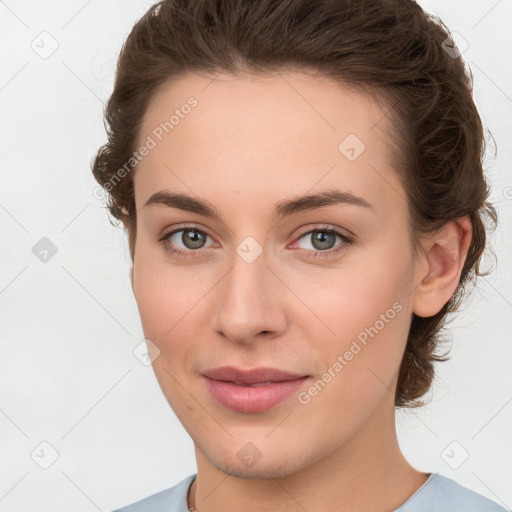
point(251, 375)
point(252, 390)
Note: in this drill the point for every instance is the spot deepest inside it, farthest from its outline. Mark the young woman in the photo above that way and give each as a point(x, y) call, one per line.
point(302, 188)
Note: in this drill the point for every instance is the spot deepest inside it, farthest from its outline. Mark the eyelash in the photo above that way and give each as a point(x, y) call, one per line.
point(313, 254)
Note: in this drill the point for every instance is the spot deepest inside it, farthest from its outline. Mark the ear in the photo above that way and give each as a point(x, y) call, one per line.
point(438, 272)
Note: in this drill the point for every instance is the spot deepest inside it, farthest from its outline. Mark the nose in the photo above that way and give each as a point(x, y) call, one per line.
point(250, 301)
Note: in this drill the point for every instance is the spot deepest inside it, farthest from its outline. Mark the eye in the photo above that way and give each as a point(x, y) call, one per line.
point(186, 241)
point(189, 241)
point(323, 240)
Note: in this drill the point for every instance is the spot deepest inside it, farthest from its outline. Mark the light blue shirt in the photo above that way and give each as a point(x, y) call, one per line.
point(437, 494)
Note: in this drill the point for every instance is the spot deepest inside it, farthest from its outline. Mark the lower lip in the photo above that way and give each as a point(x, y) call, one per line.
point(252, 399)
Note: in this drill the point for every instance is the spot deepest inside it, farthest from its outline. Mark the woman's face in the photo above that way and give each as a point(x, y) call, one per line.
point(267, 282)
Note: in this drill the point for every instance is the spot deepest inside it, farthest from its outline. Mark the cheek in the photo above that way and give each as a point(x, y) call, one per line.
point(170, 310)
point(172, 303)
point(360, 361)
point(156, 293)
point(152, 301)
point(164, 299)
point(346, 301)
point(364, 313)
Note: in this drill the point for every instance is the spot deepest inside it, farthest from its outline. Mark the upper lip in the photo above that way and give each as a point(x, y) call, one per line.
point(251, 375)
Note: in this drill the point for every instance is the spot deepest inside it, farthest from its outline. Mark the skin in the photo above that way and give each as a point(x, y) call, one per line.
point(251, 142)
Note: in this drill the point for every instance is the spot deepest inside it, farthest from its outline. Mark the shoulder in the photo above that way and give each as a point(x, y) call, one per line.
point(173, 499)
point(442, 494)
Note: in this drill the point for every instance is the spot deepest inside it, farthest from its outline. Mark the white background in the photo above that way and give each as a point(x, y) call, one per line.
point(69, 326)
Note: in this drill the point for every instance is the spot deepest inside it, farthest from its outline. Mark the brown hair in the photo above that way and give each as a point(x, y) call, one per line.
point(390, 48)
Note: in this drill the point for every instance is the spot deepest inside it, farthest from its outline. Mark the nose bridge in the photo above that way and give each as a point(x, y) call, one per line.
point(247, 302)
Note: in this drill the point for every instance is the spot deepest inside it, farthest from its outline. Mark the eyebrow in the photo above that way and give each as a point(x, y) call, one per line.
point(282, 209)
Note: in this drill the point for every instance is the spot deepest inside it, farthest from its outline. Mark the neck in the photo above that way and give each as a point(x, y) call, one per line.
point(367, 473)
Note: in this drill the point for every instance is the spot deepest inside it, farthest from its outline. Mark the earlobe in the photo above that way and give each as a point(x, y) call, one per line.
point(444, 256)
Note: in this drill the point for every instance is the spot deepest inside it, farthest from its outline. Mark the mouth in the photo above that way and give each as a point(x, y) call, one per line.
point(252, 391)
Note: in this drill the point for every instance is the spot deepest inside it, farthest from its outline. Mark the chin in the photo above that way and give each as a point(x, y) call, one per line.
point(238, 463)
point(260, 471)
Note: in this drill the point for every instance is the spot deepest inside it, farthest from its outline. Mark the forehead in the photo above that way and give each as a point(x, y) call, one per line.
point(263, 134)
point(260, 105)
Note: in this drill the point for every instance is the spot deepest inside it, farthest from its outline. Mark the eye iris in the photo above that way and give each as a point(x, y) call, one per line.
point(325, 239)
point(195, 241)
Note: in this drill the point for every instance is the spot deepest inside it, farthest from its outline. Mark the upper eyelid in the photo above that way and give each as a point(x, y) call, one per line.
point(324, 227)
point(185, 228)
